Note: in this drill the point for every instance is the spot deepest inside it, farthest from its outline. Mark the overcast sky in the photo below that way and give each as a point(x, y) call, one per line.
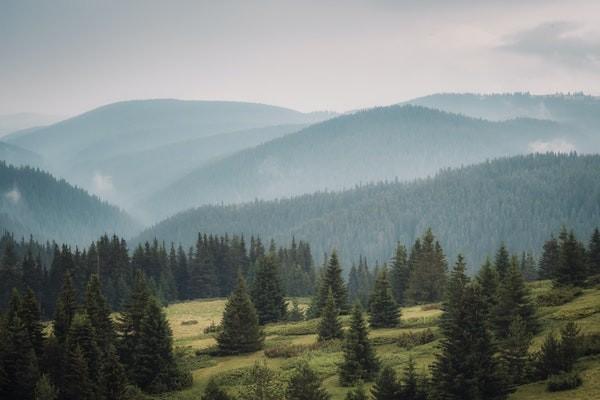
point(65, 57)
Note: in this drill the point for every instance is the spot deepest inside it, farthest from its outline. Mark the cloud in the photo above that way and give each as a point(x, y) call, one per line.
point(14, 196)
point(102, 184)
point(552, 146)
point(562, 42)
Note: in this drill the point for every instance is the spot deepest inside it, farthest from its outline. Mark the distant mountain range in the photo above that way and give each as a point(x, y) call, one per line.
point(10, 123)
point(32, 202)
point(518, 200)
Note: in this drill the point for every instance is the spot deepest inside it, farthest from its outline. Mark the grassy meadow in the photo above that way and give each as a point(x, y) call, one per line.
point(286, 343)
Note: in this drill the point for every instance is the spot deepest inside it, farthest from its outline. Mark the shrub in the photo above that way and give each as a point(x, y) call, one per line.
point(190, 322)
point(558, 296)
point(290, 350)
point(212, 328)
point(589, 344)
point(563, 381)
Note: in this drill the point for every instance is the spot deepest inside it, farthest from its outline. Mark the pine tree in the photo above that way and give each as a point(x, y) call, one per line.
point(241, 332)
point(400, 274)
point(112, 380)
point(528, 267)
point(77, 384)
point(45, 390)
point(267, 294)
point(98, 312)
point(549, 360)
point(383, 309)
point(514, 351)
point(82, 335)
point(155, 369)
point(550, 259)
point(465, 368)
point(569, 339)
point(332, 278)
point(487, 278)
point(66, 307)
point(410, 389)
point(572, 268)
point(30, 313)
point(360, 361)
point(502, 262)
point(386, 385)
point(214, 392)
point(594, 253)
point(305, 384)
point(513, 300)
point(330, 326)
point(428, 266)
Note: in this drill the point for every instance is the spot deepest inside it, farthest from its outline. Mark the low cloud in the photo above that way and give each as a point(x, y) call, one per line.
point(14, 195)
point(552, 146)
point(102, 184)
point(562, 42)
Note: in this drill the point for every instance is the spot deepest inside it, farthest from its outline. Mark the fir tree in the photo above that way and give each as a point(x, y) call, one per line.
point(98, 312)
point(386, 385)
point(569, 339)
point(549, 360)
point(383, 309)
point(513, 300)
point(332, 278)
point(112, 380)
point(305, 384)
point(82, 335)
point(550, 259)
point(66, 307)
point(528, 267)
point(214, 392)
point(594, 253)
point(330, 326)
point(514, 351)
point(45, 390)
point(410, 389)
point(267, 294)
point(359, 360)
point(572, 268)
point(502, 262)
point(30, 313)
point(77, 384)
point(241, 332)
point(427, 271)
point(487, 278)
point(400, 274)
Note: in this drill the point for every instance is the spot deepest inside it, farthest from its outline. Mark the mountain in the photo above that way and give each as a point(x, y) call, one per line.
point(33, 202)
point(10, 123)
point(85, 148)
point(17, 156)
point(577, 109)
point(397, 142)
point(519, 200)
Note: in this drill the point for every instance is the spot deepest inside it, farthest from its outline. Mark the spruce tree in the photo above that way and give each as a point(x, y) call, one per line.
point(410, 389)
point(30, 313)
point(155, 369)
point(267, 294)
point(514, 351)
point(112, 380)
point(594, 253)
point(82, 335)
point(550, 259)
point(360, 361)
point(329, 325)
point(502, 261)
point(383, 309)
point(66, 307)
point(572, 268)
point(214, 392)
point(76, 383)
point(305, 384)
point(45, 390)
point(386, 386)
point(513, 300)
point(487, 278)
point(332, 278)
point(549, 359)
point(569, 342)
point(241, 332)
point(528, 267)
point(98, 312)
point(428, 266)
point(400, 274)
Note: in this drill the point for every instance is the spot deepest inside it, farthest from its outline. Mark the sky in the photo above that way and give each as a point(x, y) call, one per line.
point(65, 57)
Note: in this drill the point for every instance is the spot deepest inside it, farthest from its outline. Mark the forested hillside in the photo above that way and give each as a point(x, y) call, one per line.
point(34, 203)
point(471, 209)
point(17, 156)
point(401, 142)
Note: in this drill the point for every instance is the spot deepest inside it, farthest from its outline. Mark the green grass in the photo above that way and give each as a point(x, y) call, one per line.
point(585, 310)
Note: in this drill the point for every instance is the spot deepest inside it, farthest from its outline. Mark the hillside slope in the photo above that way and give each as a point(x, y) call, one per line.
point(518, 200)
point(403, 142)
point(33, 202)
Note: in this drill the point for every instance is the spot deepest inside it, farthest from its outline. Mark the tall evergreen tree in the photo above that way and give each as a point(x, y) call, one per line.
point(98, 311)
point(112, 380)
point(82, 335)
point(383, 309)
point(329, 325)
point(502, 261)
point(66, 307)
point(528, 267)
point(400, 273)
point(572, 268)
point(427, 271)
point(360, 361)
point(550, 259)
point(386, 386)
point(267, 294)
point(594, 253)
point(77, 384)
point(45, 390)
point(332, 278)
point(30, 313)
point(241, 332)
point(305, 384)
point(513, 300)
point(514, 351)
point(487, 278)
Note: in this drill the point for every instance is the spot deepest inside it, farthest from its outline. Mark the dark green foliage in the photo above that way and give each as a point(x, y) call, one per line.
point(267, 294)
point(360, 361)
point(358, 393)
point(513, 300)
point(563, 381)
point(112, 382)
point(593, 253)
point(77, 384)
point(558, 296)
point(502, 262)
point(466, 367)
point(332, 280)
point(413, 387)
point(305, 384)
point(30, 313)
point(82, 336)
point(214, 392)
point(296, 269)
point(550, 259)
point(572, 267)
point(569, 345)
point(549, 359)
point(66, 307)
point(528, 267)
point(98, 312)
point(383, 309)
point(241, 332)
point(400, 273)
point(514, 351)
point(427, 271)
point(263, 384)
point(360, 283)
point(386, 386)
point(487, 278)
point(45, 390)
point(329, 325)
point(295, 314)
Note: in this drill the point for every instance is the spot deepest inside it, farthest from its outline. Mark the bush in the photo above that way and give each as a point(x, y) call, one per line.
point(589, 344)
point(558, 296)
point(290, 350)
point(190, 322)
point(212, 328)
point(563, 381)
point(407, 339)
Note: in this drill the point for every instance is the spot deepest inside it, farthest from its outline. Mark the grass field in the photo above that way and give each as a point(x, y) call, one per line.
point(190, 337)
